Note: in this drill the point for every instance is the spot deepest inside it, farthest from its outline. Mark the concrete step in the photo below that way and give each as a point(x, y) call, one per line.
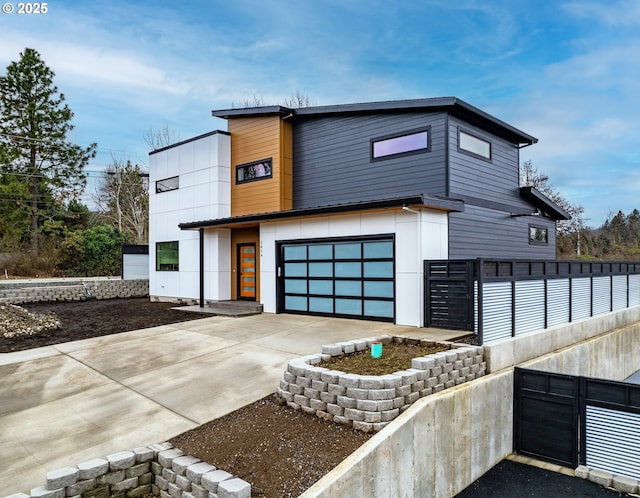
point(226, 308)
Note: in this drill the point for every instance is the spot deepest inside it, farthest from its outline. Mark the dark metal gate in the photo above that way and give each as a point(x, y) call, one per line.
point(546, 416)
point(449, 294)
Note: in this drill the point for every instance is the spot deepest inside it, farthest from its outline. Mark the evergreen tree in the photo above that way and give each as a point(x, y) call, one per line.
point(40, 166)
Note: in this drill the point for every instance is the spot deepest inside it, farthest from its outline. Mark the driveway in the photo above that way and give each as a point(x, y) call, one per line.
point(69, 403)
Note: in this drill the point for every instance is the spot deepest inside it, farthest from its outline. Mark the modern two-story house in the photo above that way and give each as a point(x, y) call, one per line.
point(332, 210)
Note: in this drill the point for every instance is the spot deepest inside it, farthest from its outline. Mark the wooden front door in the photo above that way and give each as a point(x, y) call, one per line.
point(246, 263)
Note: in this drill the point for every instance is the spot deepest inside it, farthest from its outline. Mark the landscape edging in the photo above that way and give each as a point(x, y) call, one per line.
point(159, 469)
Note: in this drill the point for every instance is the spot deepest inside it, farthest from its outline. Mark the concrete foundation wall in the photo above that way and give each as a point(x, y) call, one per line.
point(444, 442)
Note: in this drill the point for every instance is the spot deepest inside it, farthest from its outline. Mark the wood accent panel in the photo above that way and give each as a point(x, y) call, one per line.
point(240, 236)
point(253, 139)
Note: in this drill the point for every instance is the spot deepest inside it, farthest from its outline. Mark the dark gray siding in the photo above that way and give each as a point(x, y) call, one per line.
point(332, 164)
point(495, 180)
point(489, 233)
point(490, 190)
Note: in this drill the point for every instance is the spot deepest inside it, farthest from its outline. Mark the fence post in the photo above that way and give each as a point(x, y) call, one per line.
point(480, 313)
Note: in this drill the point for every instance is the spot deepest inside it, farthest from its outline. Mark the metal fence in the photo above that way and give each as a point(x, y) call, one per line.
point(510, 298)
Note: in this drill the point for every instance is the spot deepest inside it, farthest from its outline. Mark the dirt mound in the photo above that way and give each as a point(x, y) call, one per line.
point(16, 321)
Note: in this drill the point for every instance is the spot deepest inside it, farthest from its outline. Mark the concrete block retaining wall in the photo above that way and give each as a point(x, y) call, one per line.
point(159, 469)
point(70, 289)
point(368, 403)
point(607, 479)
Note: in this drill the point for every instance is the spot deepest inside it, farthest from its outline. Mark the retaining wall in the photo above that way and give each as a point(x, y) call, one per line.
point(70, 289)
point(158, 469)
point(443, 443)
point(367, 402)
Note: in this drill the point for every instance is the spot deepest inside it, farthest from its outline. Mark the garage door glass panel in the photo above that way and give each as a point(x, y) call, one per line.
point(348, 270)
point(320, 269)
point(295, 269)
point(378, 269)
point(348, 288)
point(295, 286)
point(378, 308)
point(321, 304)
point(321, 252)
point(296, 303)
point(348, 251)
point(378, 289)
point(323, 287)
point(375, 250)
point(295, 252)
point(349, 306)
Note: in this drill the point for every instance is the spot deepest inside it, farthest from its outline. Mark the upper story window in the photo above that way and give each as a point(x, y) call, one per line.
point(167, 184)
point(538, 235)
point(474, 145)
point(258, 170)
point(400, 144)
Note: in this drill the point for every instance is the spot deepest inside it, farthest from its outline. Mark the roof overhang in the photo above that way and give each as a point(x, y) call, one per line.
point(416, 201)
point(544, 204)
point(457, 107)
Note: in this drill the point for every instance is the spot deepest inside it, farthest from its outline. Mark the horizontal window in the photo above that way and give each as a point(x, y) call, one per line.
point(538, 235)
point(474, 145)
point(167, 184)
point(250, 172)
point(407, 143)
point(167, 256)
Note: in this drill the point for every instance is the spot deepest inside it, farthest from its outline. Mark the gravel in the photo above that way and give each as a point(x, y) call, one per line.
point(16, 321)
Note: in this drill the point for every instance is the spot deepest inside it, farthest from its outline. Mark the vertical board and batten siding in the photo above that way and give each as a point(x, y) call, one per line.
point(490, 190)
point(332, 159)
point(612, 441)
point(253, 139)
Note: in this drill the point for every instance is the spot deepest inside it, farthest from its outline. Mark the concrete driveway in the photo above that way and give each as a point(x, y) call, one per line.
point(65, 404)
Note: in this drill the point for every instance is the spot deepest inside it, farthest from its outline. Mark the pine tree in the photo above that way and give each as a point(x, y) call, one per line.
point(34, 148)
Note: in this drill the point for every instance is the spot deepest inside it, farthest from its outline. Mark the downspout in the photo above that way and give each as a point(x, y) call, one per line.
point(201, 232)
point(420, 270)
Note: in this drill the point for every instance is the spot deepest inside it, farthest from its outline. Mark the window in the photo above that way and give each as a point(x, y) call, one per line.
point(167, 256)
point(249, 172)
point(538, 235)
point(473, 145)
point(167, 184)
point(395, 145)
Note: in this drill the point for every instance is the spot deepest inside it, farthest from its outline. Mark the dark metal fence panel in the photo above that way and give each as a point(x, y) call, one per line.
point(449, 294)
point(546, 416)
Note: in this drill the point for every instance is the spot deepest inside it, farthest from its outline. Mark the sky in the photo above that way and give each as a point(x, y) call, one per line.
point(566, 72)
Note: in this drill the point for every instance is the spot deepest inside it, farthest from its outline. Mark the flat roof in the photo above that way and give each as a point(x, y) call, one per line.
point(455, 106)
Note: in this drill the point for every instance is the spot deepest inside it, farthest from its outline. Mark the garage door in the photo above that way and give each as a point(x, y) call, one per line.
point(338, 277)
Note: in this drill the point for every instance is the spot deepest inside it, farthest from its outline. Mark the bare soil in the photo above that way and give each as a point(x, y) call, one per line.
point(280, 451)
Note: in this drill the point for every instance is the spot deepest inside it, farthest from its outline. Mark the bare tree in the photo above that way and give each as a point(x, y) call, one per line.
point(298, 100)
point(531, 177)
point(123, 198)
point(156, 139)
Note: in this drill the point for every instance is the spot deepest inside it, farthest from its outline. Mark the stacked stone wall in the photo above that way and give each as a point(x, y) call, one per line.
point(159, 470)
point(366, 402)
point(34, 291)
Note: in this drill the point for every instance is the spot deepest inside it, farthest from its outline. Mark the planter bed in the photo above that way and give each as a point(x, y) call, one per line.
point(369, 402)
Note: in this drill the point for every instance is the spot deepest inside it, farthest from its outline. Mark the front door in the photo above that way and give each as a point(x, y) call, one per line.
point(247, 271)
